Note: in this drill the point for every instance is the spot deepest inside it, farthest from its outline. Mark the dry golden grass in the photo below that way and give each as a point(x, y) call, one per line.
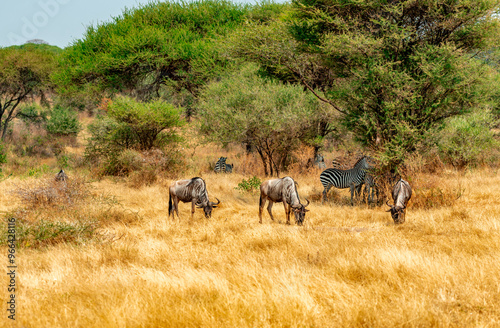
point(346, 267)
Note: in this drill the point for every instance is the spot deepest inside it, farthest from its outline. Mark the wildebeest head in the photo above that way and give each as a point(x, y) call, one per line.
point(397, 213)
point(300, 212)
point(207, 207)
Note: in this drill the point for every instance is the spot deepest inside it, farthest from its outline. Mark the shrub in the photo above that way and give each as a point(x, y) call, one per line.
point(249, 185)
point(467, 140)
point(32, 114)
point(48, 192)
point(145, 125)
point(120, 141)
point(63, 122)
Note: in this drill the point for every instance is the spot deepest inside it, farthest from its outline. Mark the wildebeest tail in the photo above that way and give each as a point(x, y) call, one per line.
point(170, 208)
point(261, 201)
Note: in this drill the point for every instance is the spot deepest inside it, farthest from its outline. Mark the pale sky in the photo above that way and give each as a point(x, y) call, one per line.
point(59, 22)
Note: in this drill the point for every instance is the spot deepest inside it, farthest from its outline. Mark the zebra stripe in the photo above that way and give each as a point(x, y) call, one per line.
point(342, 179)
point(220, 166)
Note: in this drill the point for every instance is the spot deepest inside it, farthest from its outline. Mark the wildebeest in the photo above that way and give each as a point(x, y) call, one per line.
point(401, 194)
point(282, 190)
point(190, 190)
point(61, 176)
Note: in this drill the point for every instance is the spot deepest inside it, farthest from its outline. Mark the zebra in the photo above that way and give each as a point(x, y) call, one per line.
point(341, 179)
point(371, 188)
point(220, 166)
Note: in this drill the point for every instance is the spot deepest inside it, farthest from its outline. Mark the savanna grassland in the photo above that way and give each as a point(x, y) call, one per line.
point(163, 90)
point(132, 266)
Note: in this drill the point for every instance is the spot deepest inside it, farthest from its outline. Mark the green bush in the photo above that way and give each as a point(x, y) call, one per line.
point(249, 185)
point(467, 140)
point(63, 122)
point(122, 141)
point(32, 114)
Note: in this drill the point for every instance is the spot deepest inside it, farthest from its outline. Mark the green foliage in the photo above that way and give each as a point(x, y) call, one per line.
point(155, 44)
point(39, 47)
point(249, 185)
point(63, 122)
point(393, 70)
point(467, 140)
point(32, 113)
point(142, 123)
point(38, 171)
point(3, 154)
point(44, 233)
point(129, 129)
point(23, 73)
point(272, 117)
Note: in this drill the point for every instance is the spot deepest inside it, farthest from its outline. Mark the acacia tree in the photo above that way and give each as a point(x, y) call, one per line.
point(160, 44)
point(393, 69)
point(272, 117)
point(24, 72)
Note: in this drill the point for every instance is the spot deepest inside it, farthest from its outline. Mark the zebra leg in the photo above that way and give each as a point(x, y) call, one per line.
point(269, 209)
point(325, 192)
point(353, 191)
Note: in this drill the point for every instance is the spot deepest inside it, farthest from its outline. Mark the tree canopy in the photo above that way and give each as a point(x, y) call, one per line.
point(153, 45)
point(394, 69)
point(24, 72)
point(272, 117)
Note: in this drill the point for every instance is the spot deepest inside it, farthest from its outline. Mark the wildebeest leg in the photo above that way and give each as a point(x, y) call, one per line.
point(287, 211)
point(262, 202)
point(176, 208)
point(269, 208)
point(193, 207)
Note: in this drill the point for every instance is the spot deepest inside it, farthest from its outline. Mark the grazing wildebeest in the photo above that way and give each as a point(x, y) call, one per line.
point(282, 190)
point(191, 190)
point(61, 176)
point(229, 168)
point(341, 179)
point(401, 194)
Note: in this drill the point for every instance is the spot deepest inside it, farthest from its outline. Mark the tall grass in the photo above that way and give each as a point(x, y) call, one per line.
point(346, 267)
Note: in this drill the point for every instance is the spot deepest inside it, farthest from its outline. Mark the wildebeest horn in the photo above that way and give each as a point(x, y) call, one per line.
point(391, 206)
point(214, 204)
point(307, 203)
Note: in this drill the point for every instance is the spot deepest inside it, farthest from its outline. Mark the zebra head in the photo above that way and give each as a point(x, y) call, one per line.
point(364, 163)
point(207, 207)
point(300, 212)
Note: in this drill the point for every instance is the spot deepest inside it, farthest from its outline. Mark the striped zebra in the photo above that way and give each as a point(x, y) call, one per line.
point(220, 166)
point(342, 179)
point(371, 188)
